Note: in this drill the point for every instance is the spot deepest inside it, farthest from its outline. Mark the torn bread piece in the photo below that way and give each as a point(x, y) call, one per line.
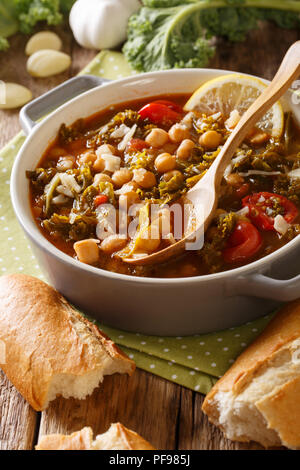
point(258, 399)
point(116, 438)
point(50, 349)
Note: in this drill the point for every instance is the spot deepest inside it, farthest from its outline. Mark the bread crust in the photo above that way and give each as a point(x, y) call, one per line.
point(130, 440)
point(282, 329)
point(80, 440)
point(117, 437)
point(37, 328)
point(281, 409)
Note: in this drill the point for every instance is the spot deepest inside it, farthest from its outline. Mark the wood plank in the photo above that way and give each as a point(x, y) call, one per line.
point(260, 54)
point(144, 403)
point(18, 421)
point(195, 432)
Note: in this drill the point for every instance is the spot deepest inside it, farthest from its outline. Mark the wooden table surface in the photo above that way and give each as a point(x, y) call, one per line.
point(167, 415)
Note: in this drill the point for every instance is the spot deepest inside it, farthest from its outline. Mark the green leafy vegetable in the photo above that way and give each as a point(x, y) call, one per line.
point(226, 224)
point(57, 223)
point(107, 189)
point(193, 180)
point(172, 189)
point(289, 188)
point(8, 22)
point(23, 15)
point(89, 195)
point(40, 177)
point(127, 117)
point(102, 135)
point(31, 12)
point(177, 33)
point(85, 177)
point(140, 160)
point(82, 227)
point(211, 252)
point(68, 134)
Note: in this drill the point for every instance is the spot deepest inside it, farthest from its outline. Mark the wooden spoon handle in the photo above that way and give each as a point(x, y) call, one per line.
point(288, 71)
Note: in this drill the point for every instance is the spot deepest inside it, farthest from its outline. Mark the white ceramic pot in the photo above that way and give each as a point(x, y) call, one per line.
point(151, 306)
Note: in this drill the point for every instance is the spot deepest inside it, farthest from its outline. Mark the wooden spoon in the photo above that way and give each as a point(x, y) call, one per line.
point(204, 195)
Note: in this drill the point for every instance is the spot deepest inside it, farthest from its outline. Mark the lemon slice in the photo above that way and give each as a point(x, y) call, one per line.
point(234, 91)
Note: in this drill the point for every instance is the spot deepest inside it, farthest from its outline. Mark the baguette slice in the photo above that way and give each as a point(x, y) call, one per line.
point(258, 399)
point(116, 438)
point(50, 348)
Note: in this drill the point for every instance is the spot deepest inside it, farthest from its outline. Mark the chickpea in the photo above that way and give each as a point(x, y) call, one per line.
point(113, 243)
point(170, 174)
point(145, 179)
point(87, 251)
point(210, 139)
point(87, 157)
point(99, 164)
point(128, 187)
point(259, 138)
point(147, 244)
point(106, 149)
point(178, 132)
point(102, 178)
point(170, 147)
point(157, 138)
point(65, 163)
point(128, 199)
point(184, 149)
point(165, 162)
point(121, 177)
point(234, 179)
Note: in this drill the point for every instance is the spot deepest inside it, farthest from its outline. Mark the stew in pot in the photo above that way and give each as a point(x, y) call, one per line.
point(94, 189)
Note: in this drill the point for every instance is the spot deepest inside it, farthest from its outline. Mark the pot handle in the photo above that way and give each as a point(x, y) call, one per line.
point(259, 285)
point(51, 100)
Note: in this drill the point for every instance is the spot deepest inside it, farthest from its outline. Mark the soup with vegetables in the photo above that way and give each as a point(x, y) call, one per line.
point(94, 190)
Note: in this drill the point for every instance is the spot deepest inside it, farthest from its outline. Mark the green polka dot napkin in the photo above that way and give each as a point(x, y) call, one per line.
point(195, 361)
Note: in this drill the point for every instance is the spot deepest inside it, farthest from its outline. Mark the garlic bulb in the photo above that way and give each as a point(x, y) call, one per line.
point(101, 24)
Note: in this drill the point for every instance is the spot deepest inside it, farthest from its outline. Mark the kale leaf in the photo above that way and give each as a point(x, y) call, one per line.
point(175, 33)
point(22, 15)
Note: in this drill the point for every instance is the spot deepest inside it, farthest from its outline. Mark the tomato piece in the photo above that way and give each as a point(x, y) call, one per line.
point(261, 206)
point(244, 242)
point(176, 107)
point(137, 144)
point(101, 199)
point(242, 190)
point(159, 113)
